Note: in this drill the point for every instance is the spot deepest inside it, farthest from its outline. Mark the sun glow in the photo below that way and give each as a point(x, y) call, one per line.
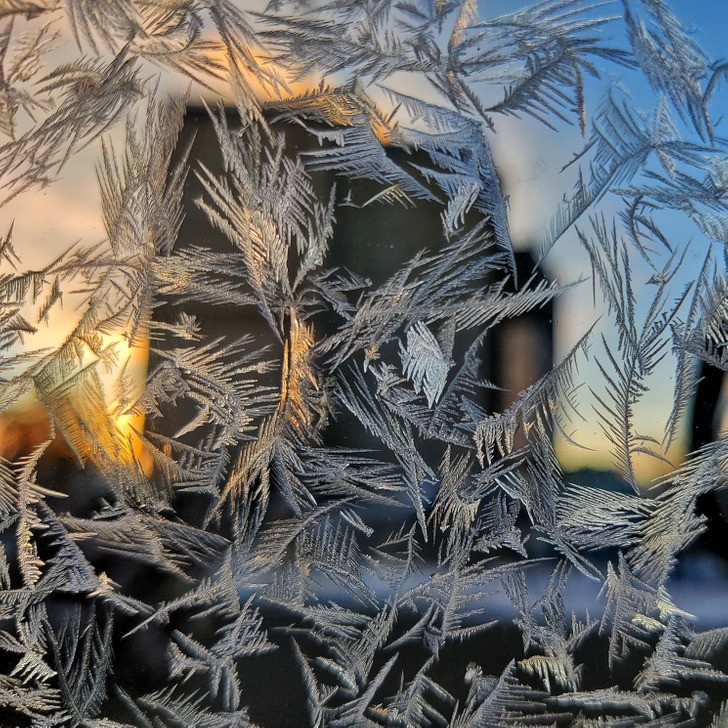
point(124, 381)
point(117, 427)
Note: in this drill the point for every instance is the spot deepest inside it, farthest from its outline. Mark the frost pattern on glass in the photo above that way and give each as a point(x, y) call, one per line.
point(273, 486)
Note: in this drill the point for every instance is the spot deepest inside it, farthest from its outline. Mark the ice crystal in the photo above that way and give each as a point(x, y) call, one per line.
point(322, 502)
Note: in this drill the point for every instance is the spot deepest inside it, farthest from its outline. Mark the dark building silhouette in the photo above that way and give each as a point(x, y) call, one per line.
point(373, 242)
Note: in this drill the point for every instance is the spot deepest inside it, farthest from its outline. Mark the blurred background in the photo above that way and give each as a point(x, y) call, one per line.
point(532, 162)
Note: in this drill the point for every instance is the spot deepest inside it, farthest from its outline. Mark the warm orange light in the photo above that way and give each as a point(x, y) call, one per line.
point(594, 453)
point(124, 381)
point(27, 423)
point(298, 374)
point(260, 74)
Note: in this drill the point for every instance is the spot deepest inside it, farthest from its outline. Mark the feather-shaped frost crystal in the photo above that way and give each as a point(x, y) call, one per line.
point(294, 430)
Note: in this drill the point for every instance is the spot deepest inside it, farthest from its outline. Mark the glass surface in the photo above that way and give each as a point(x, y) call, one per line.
point(363, 363)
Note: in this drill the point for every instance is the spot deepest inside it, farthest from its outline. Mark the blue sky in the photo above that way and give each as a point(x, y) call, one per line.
point(530, 158)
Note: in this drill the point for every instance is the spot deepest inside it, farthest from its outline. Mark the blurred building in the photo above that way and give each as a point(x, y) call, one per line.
point(374, 242)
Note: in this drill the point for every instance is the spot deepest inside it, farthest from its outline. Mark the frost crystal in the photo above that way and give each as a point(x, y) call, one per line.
point(286, 448)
